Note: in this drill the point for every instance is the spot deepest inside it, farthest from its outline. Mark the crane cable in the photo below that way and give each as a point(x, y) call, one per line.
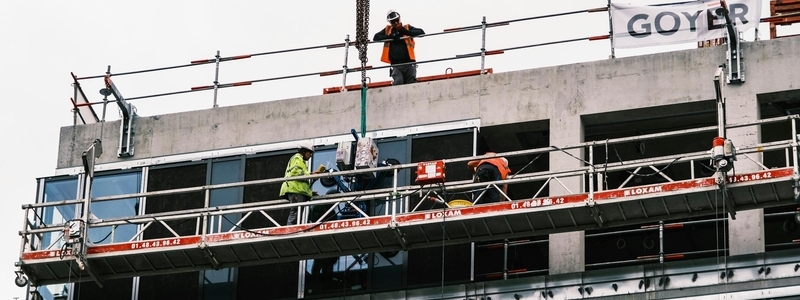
point(362, 40)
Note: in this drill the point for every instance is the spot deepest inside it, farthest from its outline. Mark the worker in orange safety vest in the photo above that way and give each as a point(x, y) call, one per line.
point(399, 48)
point(487, 170)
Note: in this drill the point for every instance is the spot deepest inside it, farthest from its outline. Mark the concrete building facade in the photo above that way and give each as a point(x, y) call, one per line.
point(553, 108)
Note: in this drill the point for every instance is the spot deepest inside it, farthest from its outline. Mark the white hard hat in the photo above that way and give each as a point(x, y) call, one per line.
point(392, 14)
point(305, 146)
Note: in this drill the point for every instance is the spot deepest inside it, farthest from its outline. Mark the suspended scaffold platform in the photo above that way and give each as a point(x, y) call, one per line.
point(403, 227)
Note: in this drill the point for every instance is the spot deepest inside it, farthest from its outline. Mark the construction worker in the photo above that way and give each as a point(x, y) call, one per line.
point(322, 269)
point(400, 48)
point(297, 191)
point(487, 170)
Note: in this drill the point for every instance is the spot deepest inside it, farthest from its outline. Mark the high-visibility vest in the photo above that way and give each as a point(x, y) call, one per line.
point(500, 162)
point(409, 46)
point(296, 167)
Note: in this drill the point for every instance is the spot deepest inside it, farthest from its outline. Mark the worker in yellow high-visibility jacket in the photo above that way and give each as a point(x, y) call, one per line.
point(297, 191)
point(399, 50)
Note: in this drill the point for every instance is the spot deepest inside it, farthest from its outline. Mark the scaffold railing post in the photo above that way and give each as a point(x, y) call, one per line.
point(216, 79)
point(24, 229)
point(74, 107)
point(204, 229)
point(105, 97)
point(505, 259)
point(591, 173)
point(661, 242)
point(344, 66)
point(611, 30)
point(795, 160)
point(483, 44)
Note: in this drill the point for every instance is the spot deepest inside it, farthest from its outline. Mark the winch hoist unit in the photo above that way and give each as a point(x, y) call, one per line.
point(723, 152)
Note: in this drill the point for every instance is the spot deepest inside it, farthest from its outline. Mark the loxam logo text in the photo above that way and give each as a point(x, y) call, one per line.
point(447, 214)
point(643, 190)
point(250, 234)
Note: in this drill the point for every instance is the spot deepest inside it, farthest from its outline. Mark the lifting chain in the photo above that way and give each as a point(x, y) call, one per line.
point(362, 38)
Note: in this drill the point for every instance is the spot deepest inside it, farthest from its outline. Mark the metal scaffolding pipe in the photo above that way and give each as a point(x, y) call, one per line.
point(609, 167)
point(137, 72)
point(661, 242)
point(483, 26)
point(460, 56)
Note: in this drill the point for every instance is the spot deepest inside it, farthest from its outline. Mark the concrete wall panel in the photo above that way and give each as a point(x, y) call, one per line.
point(500, 98)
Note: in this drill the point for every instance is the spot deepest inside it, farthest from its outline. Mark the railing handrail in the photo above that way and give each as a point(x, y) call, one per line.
point(404, 191)
point(348, 43)
point(218, 59)
point(542, 150)
point(213, 218)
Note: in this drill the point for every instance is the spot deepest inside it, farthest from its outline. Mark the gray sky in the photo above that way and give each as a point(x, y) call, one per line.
point(45, 41)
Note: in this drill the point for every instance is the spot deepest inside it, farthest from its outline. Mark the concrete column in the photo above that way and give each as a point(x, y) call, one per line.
point(566, 251)
point(746, 233)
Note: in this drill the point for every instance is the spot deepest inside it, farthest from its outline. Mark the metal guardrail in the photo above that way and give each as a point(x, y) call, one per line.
point(81, 104)
point(401, 194)
point(661, 257)
point(218, 59)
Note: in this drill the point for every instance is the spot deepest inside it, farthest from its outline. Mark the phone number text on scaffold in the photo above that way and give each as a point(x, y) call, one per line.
point(536, 203)
point(749, 177)
point(156, 244)
point(344, 224)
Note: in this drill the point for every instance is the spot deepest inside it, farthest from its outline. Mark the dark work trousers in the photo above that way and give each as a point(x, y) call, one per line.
point(404, 74)
point(294, 198)
point(486, 173)
point(322, 268)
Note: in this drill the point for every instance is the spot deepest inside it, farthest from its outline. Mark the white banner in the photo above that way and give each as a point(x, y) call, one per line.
point(641, 25)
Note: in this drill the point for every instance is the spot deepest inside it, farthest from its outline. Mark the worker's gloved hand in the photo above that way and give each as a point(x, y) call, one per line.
point(395, 35)
point(403, 30)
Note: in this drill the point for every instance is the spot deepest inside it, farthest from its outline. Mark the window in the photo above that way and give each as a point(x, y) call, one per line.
point(58, 190)
point(110, 185)
point(220, 284)
point(425, 265)
point(166, 178)
point(277, 280)
point(102, 185)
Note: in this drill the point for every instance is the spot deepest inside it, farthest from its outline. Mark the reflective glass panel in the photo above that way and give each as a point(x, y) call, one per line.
point(112, 185)
point(58, 190)
point(219, 284)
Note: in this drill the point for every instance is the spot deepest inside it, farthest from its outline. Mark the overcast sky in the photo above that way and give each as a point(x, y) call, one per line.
point(46, 40)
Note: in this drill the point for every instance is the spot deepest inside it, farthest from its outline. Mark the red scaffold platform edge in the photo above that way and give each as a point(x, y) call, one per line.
point(524, 205)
